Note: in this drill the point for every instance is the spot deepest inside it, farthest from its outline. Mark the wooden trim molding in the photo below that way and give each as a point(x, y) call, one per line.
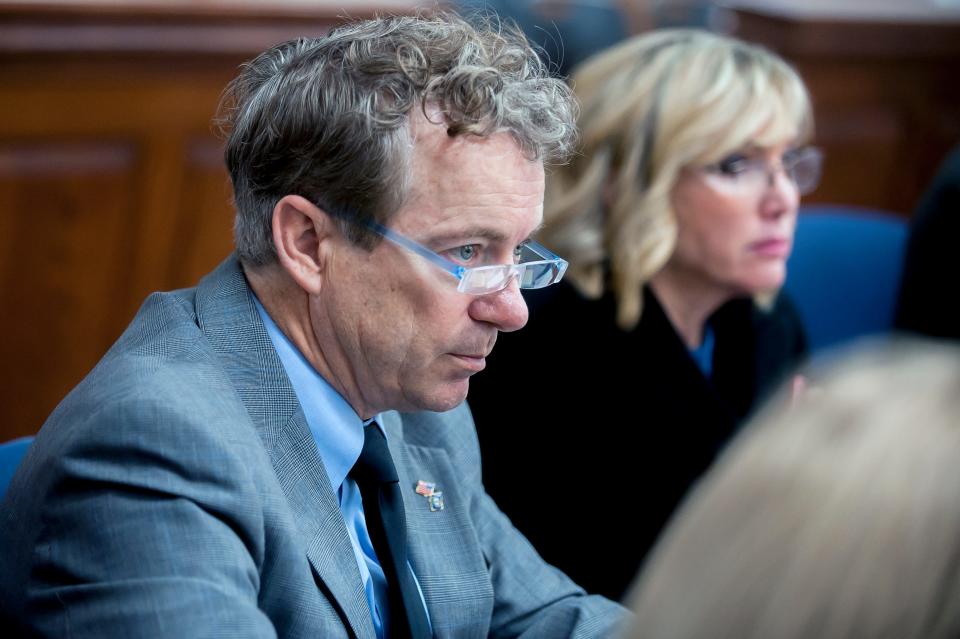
point(175, 27)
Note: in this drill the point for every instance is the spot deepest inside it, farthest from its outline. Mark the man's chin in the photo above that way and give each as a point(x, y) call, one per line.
point(448, 397)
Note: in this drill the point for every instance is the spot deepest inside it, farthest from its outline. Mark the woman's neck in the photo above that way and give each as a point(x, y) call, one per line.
point(687, 303)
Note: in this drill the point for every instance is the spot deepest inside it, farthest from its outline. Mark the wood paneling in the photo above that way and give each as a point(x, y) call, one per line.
point(205, 216)
point(101, 197)
point(66, 223)
point(886, 98)
point(112, 182)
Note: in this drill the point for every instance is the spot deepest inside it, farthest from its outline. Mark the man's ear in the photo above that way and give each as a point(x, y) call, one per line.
point(301, 235)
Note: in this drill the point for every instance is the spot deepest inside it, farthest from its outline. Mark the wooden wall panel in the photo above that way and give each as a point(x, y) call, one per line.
point(886, 98)
point(112, 183)
point(112, 202)
point(205, 213)
point(64, 244)
point(860, 144)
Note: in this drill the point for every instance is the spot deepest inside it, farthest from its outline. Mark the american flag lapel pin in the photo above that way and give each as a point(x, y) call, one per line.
point(425, 488)
point(429, 490)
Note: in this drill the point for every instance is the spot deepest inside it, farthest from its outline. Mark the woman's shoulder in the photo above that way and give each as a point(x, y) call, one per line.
point(744, 315)
point(781, 343)
point(781, 320)
point(773, 332)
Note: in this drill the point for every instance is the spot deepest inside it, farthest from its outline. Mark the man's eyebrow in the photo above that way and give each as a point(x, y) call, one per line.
point(483, 232)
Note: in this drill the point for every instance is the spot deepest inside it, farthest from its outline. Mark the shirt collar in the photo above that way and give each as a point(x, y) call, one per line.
point(335, 426)
point(703, 354)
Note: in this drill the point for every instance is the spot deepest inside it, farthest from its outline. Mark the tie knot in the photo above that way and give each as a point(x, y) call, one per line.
point(375, 463)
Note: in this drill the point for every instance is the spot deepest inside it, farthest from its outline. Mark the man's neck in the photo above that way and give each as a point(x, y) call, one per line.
point(289, 307)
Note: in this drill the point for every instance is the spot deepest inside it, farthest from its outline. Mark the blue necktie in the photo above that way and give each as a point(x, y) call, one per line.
point(376, 476)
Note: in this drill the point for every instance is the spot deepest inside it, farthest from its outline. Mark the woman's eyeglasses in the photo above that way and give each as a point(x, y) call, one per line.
point(802, 165)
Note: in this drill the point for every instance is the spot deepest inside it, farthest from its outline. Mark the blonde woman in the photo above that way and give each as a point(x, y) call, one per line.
point(677, 219)
point(839, 520)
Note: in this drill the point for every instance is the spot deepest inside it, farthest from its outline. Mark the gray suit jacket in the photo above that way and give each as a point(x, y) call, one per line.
point(177, 491)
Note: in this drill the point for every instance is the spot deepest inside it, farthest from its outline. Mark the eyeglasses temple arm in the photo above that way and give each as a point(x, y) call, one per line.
point(454, 269)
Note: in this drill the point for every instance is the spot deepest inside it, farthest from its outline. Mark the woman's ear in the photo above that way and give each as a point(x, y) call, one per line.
point(301, 233)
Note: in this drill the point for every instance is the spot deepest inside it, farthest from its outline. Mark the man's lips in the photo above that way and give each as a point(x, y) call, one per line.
point(472, 361)
point(473, 357)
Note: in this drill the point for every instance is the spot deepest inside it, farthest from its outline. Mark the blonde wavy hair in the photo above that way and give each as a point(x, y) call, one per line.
point(652, 106)
point(839, 519)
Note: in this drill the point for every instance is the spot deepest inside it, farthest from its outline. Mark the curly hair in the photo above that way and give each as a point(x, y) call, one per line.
point(327, 118)
point(652, 106)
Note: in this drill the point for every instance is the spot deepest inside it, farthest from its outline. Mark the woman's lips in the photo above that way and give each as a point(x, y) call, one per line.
point(771, 247)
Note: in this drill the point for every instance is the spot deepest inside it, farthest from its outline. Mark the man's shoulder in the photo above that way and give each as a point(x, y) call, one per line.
point(167, 354)
point(165, 392)
point(162, 369)
point(162, 352)
point(159, 405)
point(146, 461)
point(427, 428)
point(452, 431)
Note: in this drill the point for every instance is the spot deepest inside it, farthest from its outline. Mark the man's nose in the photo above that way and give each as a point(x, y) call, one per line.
point(505, 309)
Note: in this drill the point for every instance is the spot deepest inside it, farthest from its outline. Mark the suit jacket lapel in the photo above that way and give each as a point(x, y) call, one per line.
point(444, 552)
point(227, 315)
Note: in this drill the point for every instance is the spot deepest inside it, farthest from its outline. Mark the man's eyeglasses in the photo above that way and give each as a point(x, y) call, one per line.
point(536, 267)
point(802, 165)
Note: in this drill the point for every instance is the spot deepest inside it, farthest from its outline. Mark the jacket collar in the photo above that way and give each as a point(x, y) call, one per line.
point(226, 314)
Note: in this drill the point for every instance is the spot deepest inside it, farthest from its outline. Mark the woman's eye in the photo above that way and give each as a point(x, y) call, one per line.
point(792, 156)
point(733, 164)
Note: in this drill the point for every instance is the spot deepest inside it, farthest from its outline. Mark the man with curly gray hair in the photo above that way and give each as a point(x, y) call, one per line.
point(285, 449)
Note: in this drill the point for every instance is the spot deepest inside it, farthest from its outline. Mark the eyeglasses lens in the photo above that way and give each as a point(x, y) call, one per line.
point(806, 170)
point(494, 278)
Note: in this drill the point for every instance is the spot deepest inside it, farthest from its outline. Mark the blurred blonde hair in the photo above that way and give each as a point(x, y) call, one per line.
point(650, 107)
point(837, 520)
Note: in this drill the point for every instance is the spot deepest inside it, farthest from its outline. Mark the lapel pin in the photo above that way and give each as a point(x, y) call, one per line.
point(425, 488)
point(429, 490)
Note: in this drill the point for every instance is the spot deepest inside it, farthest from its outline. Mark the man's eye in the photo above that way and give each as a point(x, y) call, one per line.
point(466, 252)
point(733, 165)
point(517, 253)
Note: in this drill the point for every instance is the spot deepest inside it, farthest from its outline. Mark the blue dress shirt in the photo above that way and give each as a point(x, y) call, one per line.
point(338, 431)
point(703, 354)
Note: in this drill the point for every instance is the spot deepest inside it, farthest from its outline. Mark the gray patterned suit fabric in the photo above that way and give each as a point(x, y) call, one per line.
point(178, 492)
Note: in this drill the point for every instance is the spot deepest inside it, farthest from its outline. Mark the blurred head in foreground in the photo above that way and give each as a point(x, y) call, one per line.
point(839, 519)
